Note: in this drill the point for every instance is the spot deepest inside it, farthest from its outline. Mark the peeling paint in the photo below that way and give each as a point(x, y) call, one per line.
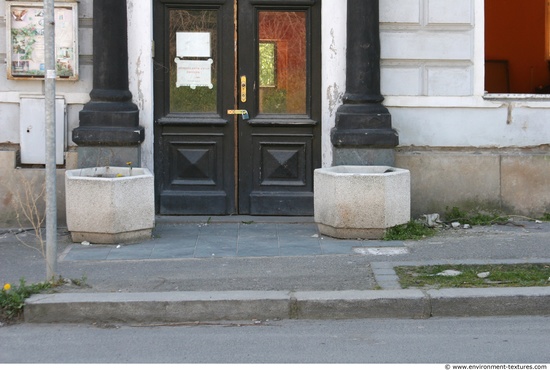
point(129, 11)
point(8, 198)
point(334, 98)
point(334, 51)
point(139, 74)
point(509, 118)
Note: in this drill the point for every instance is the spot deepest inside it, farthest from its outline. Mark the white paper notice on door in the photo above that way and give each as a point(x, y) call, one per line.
point(194, 73)
point(193, 44)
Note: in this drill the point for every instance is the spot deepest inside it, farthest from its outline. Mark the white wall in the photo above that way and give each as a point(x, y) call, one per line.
point(433, 80)
point(333, 49)
point(140, 70)
point(427, 47)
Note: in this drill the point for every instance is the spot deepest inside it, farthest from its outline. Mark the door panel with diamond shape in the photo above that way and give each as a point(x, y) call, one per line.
point(281, 167)
point(195, 177)
point(237, 130)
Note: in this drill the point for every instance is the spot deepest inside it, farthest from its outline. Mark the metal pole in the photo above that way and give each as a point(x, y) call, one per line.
point(51, 185)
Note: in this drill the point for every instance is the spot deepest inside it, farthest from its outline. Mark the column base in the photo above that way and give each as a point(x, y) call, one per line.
point(99, 156)
point(363, 157)
point(364, 125)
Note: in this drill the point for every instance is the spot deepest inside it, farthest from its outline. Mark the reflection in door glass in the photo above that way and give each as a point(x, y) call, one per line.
point(193, 76)
point(282, 60)
point(268, 64)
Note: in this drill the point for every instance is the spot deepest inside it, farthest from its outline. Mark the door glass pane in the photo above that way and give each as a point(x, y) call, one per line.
point(268, 64)
point(282, 60)
point(193, 60)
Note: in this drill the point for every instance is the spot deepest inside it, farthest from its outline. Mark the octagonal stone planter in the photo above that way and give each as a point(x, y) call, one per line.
point(362, 202)
point(110, 205)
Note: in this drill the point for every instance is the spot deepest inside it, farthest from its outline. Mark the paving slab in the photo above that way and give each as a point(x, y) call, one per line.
point(272, 267)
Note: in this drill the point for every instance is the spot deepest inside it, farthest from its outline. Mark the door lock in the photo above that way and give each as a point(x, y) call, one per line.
point(242, 112)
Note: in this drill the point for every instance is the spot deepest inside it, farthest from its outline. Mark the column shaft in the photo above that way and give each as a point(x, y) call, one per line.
point(110, 118)
point(362, 121)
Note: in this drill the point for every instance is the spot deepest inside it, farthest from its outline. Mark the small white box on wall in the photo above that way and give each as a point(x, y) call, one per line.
point(32, 126)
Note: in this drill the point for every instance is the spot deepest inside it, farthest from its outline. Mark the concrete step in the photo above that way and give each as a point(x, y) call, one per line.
point(173, 307)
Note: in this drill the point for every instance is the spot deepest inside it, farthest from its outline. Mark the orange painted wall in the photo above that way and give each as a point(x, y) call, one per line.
point(514, 31)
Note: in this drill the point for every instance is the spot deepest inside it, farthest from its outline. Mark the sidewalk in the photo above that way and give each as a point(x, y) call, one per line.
point(245, 268)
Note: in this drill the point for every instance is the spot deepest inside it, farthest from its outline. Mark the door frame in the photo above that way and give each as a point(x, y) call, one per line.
point(314, 106)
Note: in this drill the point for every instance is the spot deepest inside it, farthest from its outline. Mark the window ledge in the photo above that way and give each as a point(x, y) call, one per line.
point(518, 97)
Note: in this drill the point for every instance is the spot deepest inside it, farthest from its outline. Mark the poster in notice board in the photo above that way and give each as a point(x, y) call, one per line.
point(25, 52)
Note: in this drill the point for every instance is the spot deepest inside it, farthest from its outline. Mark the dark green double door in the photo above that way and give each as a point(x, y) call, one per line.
point(237, 106)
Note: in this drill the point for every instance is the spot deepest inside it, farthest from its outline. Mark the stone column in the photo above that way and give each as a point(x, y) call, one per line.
point(109, 131)
point(363, 134)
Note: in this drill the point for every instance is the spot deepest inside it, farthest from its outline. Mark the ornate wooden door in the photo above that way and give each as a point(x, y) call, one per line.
point(237, 106)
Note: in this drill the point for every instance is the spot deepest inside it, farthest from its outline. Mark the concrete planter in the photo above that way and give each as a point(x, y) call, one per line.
point(110, 205)
point(361, 201)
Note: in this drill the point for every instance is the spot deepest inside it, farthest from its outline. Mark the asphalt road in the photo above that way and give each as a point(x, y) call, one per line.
point(502, 340)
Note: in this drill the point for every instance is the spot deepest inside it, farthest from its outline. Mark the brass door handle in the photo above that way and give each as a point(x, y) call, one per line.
point(243, 89)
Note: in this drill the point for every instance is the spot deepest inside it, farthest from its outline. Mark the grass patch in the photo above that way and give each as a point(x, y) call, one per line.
point(12, 298)
point(473, 218)
point(503, 275)
point(412, 230)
